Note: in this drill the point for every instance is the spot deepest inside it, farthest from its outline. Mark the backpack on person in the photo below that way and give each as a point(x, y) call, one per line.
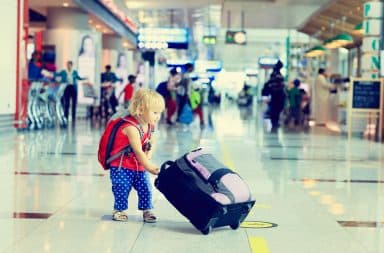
point(107, 140)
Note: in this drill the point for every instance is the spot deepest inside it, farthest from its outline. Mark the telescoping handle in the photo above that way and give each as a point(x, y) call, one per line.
point(166, 165)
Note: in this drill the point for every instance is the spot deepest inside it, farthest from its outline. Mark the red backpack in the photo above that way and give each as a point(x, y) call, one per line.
point(108, 139)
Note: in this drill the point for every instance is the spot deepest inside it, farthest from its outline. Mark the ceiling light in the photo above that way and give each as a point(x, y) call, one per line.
point(330, 43)
point(358, 29)
point(65, 4)
point(315, 51)
point(343, 39)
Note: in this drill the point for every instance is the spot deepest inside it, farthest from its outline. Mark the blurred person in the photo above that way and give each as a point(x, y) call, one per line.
point(35, 67)
point(322, 91)
point(196, 103)
point(295, 99)
point(183, 88)
point(168, 90)
point(275, 89)
point(128, 90)
point(109, 100)
point(69, 77)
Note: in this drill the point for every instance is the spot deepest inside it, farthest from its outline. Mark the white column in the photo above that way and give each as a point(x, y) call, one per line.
point(8, 49)
point(370, 62)
point(68, 31)
point(120, 59)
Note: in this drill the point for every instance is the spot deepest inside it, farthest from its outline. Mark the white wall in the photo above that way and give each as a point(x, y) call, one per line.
point(8, 44)
point(67, 44)
point(260, 42)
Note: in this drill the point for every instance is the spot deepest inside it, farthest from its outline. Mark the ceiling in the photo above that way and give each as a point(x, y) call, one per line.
point(333, 18)
point(222, 13)
point(247, 14)
point(312, 17)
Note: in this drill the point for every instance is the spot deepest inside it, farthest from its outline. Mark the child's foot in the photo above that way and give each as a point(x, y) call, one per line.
point(119, 216)
point(149, 217)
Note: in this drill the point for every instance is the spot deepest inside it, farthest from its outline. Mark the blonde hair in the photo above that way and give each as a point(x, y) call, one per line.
point(144, 100)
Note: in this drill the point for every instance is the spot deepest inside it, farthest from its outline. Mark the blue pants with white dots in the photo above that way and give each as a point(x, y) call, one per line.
point(122, 182)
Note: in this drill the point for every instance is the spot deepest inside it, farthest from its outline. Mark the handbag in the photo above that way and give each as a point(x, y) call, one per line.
point(186, 115)
point(88, 90)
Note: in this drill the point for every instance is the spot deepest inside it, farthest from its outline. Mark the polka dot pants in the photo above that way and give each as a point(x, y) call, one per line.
point(122, 182)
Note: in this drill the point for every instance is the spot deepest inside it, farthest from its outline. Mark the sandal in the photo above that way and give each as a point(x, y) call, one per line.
point(149, 217)
point(119, 216)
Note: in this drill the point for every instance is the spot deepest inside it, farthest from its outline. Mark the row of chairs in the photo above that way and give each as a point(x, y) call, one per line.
point(45, 109)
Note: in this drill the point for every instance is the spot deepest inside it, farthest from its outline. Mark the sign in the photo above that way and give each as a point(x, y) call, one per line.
point(370, 65)
point(372, 27)
point(365, 101)
point(209, 40)
point(87, 68)
point(267, 62)
point(366, 94)
point(208, 66)
point(257, 224)
point(382, 63)
point(158, 38)
point(373, 9)
point(370, 44)
point(236, 37)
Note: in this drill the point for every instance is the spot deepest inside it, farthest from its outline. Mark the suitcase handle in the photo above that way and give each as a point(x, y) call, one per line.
point(166, 165)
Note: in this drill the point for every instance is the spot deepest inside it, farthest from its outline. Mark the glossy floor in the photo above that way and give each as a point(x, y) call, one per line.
point(323, 192)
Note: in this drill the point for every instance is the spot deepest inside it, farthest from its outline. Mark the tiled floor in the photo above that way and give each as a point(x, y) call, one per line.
point(324, 193)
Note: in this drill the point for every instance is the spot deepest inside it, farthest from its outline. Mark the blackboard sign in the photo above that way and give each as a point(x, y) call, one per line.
point(366, 94)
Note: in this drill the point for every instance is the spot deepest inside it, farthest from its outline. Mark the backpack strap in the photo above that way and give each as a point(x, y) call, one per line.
point(141, 130)
point(127, 149)
point(138, 127)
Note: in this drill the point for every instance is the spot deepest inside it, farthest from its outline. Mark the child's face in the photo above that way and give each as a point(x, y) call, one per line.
point(152, 116)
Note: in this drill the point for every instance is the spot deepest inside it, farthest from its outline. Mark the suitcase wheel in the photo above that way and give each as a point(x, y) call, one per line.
point(235, 225)
point(206, 230)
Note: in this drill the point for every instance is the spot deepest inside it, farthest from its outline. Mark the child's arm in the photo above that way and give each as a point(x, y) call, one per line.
point(135, 142)
point(153, 143)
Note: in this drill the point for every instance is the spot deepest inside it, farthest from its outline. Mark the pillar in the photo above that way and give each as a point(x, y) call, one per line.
point(11, 24)
point(115, 53)
point(69, 35)
point(370, 63)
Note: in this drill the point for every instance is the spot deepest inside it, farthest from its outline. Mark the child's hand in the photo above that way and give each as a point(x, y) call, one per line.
point(153, 170)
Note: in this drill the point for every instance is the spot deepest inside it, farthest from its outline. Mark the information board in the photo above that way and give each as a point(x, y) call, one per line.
point(366, 103)
point(366, 94)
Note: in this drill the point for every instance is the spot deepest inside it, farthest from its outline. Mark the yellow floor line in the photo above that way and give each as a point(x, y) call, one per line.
point(226, 156)
point(258, 245)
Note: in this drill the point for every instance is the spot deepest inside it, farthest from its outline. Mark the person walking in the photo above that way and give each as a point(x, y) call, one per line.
point(69, 77)
point(275, 89)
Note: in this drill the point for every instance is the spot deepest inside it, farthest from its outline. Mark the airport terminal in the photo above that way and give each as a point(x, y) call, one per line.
point(164, 126)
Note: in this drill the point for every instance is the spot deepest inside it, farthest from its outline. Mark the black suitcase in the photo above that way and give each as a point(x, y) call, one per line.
point(191, 194)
